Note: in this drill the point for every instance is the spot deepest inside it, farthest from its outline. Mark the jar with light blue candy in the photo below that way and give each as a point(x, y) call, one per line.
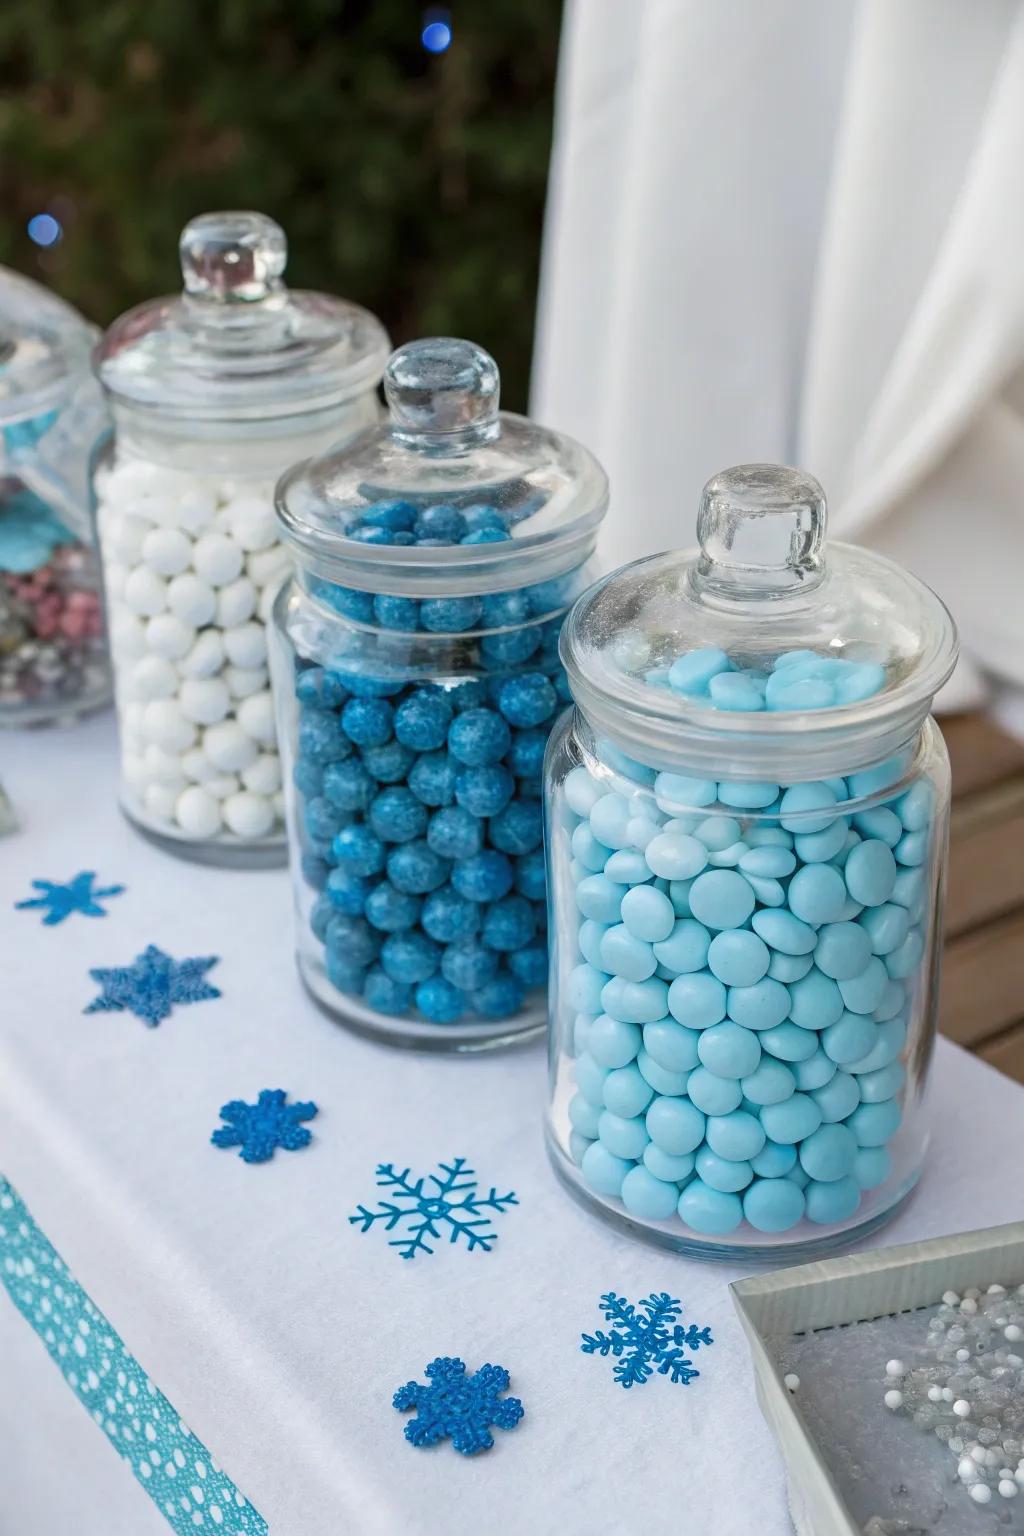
point(746, 835)
point(417, 678)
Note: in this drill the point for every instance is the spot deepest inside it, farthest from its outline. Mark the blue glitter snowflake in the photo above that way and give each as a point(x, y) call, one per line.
point(59, 901)
point(152, 984)
point(258, 1128)
point(454, 1404)
point(452, 1205)
point(642, 1344)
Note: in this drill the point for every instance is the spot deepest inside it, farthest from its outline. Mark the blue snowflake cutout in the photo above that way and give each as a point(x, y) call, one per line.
point(258, 1129)
point(77, 895)
point(460, 1406)
point(640, 1345)
point(453, 1205)
point(152, 984)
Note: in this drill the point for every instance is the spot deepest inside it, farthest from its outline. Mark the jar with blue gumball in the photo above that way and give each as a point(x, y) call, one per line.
point(746, 833)
point(53, 654)
point(417, 679)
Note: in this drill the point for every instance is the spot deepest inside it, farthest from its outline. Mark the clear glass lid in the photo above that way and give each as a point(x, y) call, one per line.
point(449, 493)
point(237, 344)
point(765, 637)
point(44, 349)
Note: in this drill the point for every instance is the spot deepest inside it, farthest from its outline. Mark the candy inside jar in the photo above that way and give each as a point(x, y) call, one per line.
point(746, 840)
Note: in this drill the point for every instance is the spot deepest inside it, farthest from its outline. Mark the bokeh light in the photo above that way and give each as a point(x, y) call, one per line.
point(436, 36)
point(44, 229)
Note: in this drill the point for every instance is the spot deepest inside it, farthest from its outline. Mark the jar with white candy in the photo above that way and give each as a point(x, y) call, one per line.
point(214, 394)
point(746, 836)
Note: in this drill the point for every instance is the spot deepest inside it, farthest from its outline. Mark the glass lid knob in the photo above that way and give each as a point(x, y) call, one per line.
point(441, 386)
point(232, 258)
point(761, 528)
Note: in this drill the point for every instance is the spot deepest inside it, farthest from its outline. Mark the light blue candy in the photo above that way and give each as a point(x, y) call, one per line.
point(675, 1125)
point(886, 926)
point(713, 1095)
point(584, 1116)
point(789, 1042)
point(797, 1117)
point(729, 858)
point(800, 693)
point(697, 1000)
point(889, 1040)
point(624, 955)
point(678, 792)
point(584, 988)
point(608, 821)
point(737, 1136)
point(591, 1078)
point(738, 958)
point(589, 939)
point(871, 1166)
point(849, 1037)
point(838, 1098)
point(870, 872)
point(770, 1083)
point(647, 913)
point(817, 847)
point(760, 1006)
point(625, 1138)
point(798, 1177)
point(862, 681)
point(874, 1124)
point(599, 899)
point(832, 1202)
point(912, 849)
point(769, 863)
point(816, 1001)
point(748, 796)
point(671, 1046)
point(870, 780)
point(679, 896)
point(626, 867)
point(731, 690)
point(647, 1197)
point(774, 1160)
point(768, 892)
point(635, 1002)
point(817, 894)
point(768, 837)
point(886, 1083)
point(909, 888)
point(786, 933)
point(587, 849)
point(787, 968)
point(864, 992)
point(729, 1051)
point(659, 1078)
point(891, 1002)
point(843, 950)
point(686, 948)
point(709, 1211)
point(904, 960)
point(578, 1144)
point(800, 801)
point(881, 823)
point(828, 1153)
point(692, 672)
point(626, 1092)
point(581, 1032)
point(721, 899)
point(815, 1072)
point(676, 855)
point(666, 1166)
point(603, 1171)
point(726, 1174)
point(915, 807)
point(717, 832)
point(773, 1204)
point(613, 1043)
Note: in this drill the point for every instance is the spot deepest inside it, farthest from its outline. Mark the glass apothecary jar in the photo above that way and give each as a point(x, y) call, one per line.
point(746, 831)
point(53, 654)
point(214, 393)
point(416, 673)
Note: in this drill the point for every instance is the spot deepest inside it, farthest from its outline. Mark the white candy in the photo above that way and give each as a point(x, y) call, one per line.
point(217, 559)
point(205, 658)
point(249, 815)
point(968, 1306)
point(168, 636)
point(893, 1400)
point(167, 551)
point(162, 510)
point(165, 724)
point(127, 635)
point(246, 645)
point(963, 1354)
point(153, 678)
point(279, 806)
point(791, 1381)
point(1014, 1333)
point(951, 1298)
point(145, 592)
point(961, 1408)
point(264, 775)
point(196, 508)
point(236, 603)
point(191, 599)
point(895, 1368)
point(204, 700)
point(981, 1493)
point(996, 1290)
point(197, 766)
point(115, 575)
point(129, 480)
point(133, 769)
point(126, 537)
point(160, 801)
point(163, 767)
point(228, 747)
point(222, 785)
point(1008, 1488)
point(252, 522)
point(244, 681)
point(269, 565)
point(197, 812)
point(256, 717)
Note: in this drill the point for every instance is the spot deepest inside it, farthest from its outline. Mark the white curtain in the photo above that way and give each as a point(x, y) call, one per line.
point(794, 230)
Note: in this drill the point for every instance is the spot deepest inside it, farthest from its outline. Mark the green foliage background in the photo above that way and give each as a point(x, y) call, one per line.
point(412, 183)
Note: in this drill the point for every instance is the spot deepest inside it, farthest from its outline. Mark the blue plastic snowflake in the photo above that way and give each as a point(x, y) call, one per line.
point(641, 1344)
point(258, 1128)
point(152, 984)
point(458, 1405)
point(59, 901)
point(452, 1205)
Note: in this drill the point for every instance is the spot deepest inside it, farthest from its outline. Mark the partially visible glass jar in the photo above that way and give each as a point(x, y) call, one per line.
point(746, 833)
point(214, 393)
point(416, 675)
point(53, 655)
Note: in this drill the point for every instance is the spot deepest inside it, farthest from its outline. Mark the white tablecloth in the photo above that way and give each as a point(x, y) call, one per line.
point(279, 1331)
